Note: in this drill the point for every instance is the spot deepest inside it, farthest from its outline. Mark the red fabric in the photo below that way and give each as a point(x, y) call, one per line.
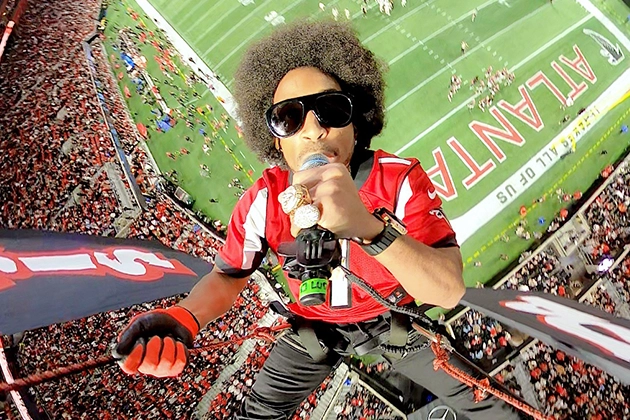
point(259, 218)
point(142, 129)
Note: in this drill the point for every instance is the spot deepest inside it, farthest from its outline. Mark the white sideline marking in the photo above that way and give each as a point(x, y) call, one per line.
point(186, 51)
point(457, 60)
point(516, 67)
point(439, 31)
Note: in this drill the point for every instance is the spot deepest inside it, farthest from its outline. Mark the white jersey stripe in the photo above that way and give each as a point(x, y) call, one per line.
point(254, 227)
point(403, 198)
point(394, 160)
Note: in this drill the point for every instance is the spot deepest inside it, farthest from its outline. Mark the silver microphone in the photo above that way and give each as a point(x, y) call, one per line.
point(314, 161)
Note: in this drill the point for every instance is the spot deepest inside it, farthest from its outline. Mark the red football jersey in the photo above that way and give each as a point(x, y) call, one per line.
point(398, 184)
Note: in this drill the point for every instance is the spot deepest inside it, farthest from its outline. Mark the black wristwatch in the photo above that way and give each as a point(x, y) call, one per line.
point(393, 229)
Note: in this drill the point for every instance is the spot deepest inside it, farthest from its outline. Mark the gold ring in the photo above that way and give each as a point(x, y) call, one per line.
point(294, 197)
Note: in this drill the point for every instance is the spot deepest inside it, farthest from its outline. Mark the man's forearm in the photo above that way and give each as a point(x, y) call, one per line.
point(213, 296)
point(431, 275)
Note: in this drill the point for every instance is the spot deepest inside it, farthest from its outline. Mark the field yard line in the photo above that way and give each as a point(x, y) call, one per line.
point(516, 67)
point(356, 15)
point(448, 65)
point(400, 19)
point(202, 19)
point(254, 34)
point(193, 10)
point(228, 33)
point(439, 31)
point(591, 8)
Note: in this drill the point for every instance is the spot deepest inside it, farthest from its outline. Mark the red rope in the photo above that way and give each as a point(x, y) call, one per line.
point(481, 387)
point(263, 333)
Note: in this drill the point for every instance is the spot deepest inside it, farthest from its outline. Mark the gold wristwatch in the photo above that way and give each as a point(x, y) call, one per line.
point(394, 228)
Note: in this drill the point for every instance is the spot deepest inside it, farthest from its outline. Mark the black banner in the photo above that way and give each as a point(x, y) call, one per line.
point(583, 331)
point(49, 277)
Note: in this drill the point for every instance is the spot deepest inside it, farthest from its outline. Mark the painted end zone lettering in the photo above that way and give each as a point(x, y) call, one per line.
point(532, 117)
point(525, 110)
point(447, 191)
point(477, 172)
point(576, 89)
point(580, 65)
point(541, 78)
point(485, 132)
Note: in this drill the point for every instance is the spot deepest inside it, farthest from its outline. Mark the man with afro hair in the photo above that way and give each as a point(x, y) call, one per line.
point(311, 99)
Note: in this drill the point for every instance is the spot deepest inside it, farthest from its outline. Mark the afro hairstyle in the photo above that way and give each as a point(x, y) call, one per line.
point(331, 47)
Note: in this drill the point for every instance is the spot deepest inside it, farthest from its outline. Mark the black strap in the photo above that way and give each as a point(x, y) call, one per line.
point(399, 329)
point(309, 340)
point(361, 166)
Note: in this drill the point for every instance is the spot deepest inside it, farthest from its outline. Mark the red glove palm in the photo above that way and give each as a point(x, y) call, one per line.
point(156, 343)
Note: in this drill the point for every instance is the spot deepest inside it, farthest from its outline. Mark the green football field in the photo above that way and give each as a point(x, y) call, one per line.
point(552, 50)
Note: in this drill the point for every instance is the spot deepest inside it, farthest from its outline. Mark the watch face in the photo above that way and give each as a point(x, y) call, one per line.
point(390, 219)
point(398, 226)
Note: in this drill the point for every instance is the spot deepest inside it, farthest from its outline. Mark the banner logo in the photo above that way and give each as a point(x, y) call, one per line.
point(612, 339)
point(139, 265)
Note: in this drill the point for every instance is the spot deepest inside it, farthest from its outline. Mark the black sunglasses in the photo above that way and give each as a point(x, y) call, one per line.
point(332, 109)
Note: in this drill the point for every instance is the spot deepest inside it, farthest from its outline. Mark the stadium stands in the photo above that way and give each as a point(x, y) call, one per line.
point(570, 388)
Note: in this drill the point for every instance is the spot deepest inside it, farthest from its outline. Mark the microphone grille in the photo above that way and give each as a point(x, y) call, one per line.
point(314, 161)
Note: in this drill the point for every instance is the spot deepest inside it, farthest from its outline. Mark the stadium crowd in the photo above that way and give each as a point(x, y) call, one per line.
point(112, 100)
point(171, 226)
point(507, 377)
point(359, 403)
point(86, 395)
point(305, 410)
point(95, 208)
point(53, 178)
point(226, 404)
point(481, 336)
point(601, 299)
point(569, 388)
point(620, 278)
point(542, 273)
point(53, 134)
point(609, 219)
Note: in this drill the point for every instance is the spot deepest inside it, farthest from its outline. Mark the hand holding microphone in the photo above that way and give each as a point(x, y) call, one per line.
point(296, 200)
point(329, 187)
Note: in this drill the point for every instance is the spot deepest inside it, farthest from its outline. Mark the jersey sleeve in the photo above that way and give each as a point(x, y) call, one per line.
point(420, 209)
point(246, 245)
